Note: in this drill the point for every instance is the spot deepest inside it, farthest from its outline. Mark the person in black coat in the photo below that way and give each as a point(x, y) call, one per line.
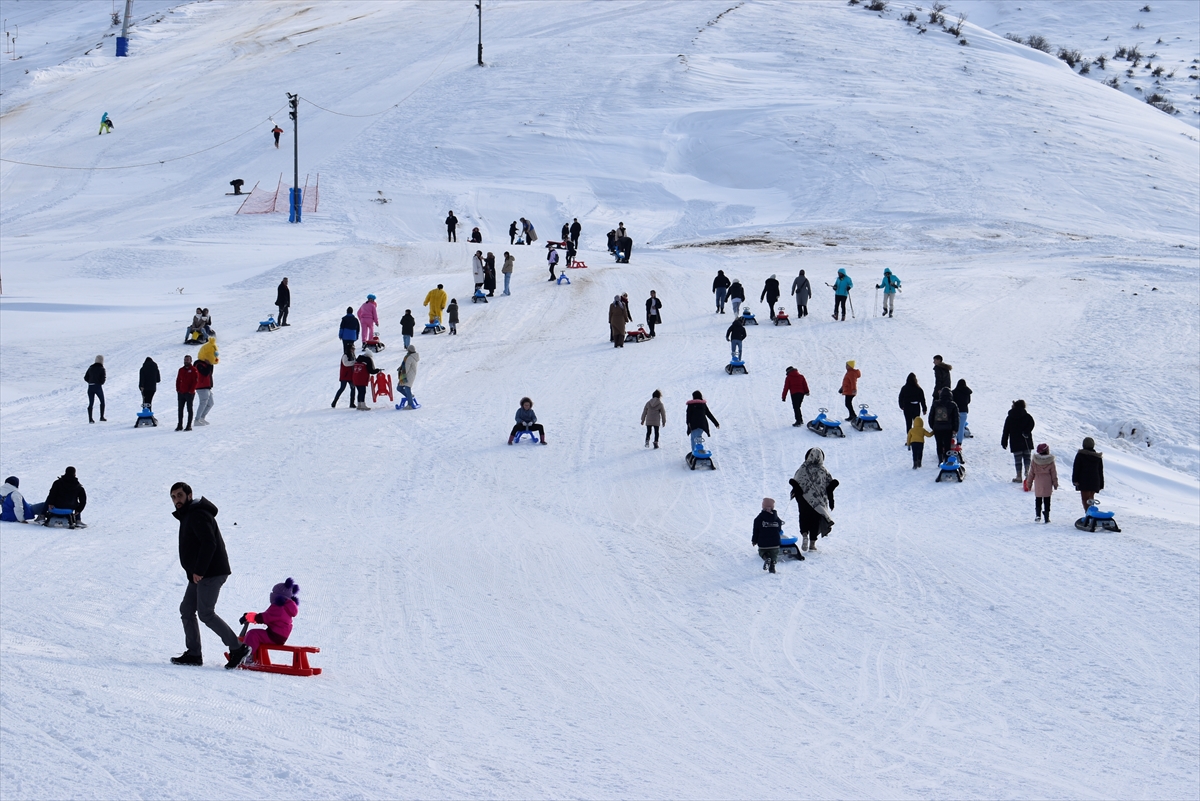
point(451, 228)
point(67, 493)
point(624, 247)
point(697, 418)
point(912, 401)
point(771, 293)
point(767, 528)
point(1018, 437)
point(943, 422)
point(962, 399)
point(407, 327)
point(734, 335)
point(348, 331)
point(205, 562)
point(720, 288)
point(95, 377)
point(489, 275)
point(576, 229)
point(566, 232)
point(1087, 473)
point(941, 376)
point(512, 232)
point(148, 379)
point(653, 311)
point(283, 299)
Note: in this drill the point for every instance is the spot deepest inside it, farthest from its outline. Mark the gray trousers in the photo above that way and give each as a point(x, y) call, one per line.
point(200, 600)
point(204, 402)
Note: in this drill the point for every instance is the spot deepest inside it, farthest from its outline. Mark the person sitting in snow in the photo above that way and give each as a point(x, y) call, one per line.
point(67, 493)
point(285, 605)
point(476, 237)
point(527, 421)
point(13, 506)
point(767, 527)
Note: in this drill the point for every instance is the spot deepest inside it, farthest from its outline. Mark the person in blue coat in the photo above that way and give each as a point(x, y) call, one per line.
point(841, 291)
point(13, 506)
point(348, 331)
point(889, 285)
point(527, 421)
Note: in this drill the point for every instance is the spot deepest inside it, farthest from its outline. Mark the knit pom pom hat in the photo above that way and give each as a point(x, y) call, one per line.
point(287, 591)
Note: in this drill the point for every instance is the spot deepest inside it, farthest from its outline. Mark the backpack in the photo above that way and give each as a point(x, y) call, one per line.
point(360, 375)
point(941, 415)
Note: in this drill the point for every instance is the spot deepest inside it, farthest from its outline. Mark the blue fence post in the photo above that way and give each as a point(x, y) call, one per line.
point(122, 46)
point(295, 204)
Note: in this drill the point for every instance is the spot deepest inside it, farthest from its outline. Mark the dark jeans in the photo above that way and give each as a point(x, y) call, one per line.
point(362, 394)
point(918, 450)
point(655, 430)
point(451, 236)
point(200, 600)
point(348, 347)
point(839, 301)
point(771, 306)
point(536, 428)
point(342, 389)
point(850, 406)
point(798, 399)
point(95, 391)
point(801, 310)
point(651, 323)
point(575, 242)
point(1018, 458)
point(148, 395)
point(186, 399)
point(721, 293)
point(942, 438)
point(283, 310)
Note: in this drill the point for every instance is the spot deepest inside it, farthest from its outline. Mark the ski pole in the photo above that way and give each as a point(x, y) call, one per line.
point(875, 305)
point(851, 302)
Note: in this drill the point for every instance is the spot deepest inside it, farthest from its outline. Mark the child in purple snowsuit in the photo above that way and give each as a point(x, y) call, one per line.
point(277, 619)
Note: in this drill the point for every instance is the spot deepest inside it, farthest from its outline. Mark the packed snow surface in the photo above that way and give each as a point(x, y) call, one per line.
point(588, 618)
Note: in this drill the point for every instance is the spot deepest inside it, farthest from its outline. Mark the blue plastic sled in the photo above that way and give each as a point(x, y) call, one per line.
point(736, 365)
point(788, 545)
point(62, 518)
point(826, 426)
point(520, 434)
point(1094, 518)
point(865, 420)
point(951, 467)
point(479, 297)
point(562, 279)
point(433, 328)
point(145, 418)
point(747, 317)
point(699, 456)
point(268, 324)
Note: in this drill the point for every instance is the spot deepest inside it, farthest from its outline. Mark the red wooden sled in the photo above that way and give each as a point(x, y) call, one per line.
point(299, 667)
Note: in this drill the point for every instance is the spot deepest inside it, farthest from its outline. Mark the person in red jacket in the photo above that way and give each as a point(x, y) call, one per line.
point(346, 376)
point(185, 388)
point(798, 387)
point(850, 388)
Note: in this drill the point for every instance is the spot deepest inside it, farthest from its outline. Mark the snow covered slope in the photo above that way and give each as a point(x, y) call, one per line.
point(588, 618)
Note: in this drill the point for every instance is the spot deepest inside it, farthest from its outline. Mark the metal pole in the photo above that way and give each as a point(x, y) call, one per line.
point(296, 204)
point(123, 39)
point(479, 6)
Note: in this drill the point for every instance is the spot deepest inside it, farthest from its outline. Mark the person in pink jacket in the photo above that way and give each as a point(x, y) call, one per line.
point(1043, 479)
point(368, 318)
point(285, 605)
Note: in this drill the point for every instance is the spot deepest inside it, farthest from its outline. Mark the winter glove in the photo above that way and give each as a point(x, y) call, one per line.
point(249, 617)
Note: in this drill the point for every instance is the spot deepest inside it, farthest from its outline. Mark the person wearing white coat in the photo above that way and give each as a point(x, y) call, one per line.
point(477, 269)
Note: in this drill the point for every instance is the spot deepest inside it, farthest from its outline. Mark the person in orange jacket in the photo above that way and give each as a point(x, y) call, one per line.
point(850, 388)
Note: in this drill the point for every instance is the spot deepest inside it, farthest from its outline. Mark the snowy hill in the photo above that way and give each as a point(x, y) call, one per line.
point(589, 618)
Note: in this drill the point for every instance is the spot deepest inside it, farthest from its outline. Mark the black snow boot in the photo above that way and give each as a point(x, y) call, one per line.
point(772, 567)
point(187, 659)
point(237, 656)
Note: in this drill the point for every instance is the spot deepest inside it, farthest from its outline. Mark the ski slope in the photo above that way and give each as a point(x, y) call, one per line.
point(588, 619)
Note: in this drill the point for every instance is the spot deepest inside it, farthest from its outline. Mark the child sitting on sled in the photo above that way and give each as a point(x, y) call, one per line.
point(277, 619)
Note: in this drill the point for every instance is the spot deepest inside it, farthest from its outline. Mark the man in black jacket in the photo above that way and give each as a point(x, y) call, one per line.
point(451, 225)
point(206, 564)
point(1018, 437)
point(67, 493)
point(575, 230)
point(95, 380)
point(770, 292)
point(943, 422)
point(148, 378)
point(283, 299)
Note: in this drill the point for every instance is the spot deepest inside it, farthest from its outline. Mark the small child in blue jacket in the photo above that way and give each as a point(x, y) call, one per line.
point(527, 421)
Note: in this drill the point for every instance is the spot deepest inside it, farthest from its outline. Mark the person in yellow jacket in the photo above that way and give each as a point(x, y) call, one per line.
point(916, 440)
point(436, 301)
point(850, 387)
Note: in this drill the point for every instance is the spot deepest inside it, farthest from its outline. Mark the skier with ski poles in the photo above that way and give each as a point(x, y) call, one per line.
point(841, 293)
point(890, 285)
